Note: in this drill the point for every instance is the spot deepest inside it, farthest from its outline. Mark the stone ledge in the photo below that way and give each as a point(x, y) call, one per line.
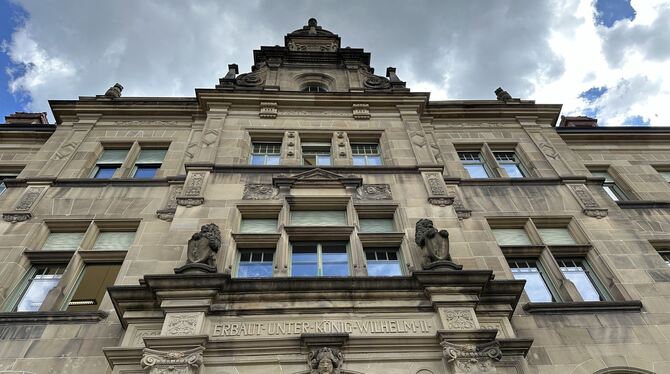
point(52, 317)
point(643, 204)
point(584, 307)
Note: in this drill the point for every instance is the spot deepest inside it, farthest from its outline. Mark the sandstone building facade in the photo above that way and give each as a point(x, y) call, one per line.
point(311, 216)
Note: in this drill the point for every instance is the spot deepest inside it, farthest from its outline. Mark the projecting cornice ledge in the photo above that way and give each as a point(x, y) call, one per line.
point(52, 317)
point(584, 307)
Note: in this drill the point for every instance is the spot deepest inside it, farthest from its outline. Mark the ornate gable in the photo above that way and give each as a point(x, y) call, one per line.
point(317, 178)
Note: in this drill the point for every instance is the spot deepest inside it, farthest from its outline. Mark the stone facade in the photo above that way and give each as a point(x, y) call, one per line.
point(430, 319)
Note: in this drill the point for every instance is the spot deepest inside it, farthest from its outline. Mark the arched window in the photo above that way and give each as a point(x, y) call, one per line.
point(314, 87)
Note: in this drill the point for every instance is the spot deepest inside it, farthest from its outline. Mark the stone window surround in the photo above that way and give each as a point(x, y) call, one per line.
point(566, 296)
point(486, 152)
point(9, 172)
point(76, 260)
point(357, 241)
point(134, 148)
point(662, 247)
point(662, 168)
point(619, 180)
point(353, 136)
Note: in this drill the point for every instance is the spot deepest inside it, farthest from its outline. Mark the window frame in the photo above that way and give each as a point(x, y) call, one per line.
point(265, 155)
point(109, 165)
point(23, 286)
point(610, 185)
point(314, 87)
point(5, 174)
point(597, 285)
point(319, 258)
point(316, 153)
point(140, 164)
point(544, 275)
point(399, 259)
point(366, 156)
point(480, 161)
point(516, 161)
point(238, 260)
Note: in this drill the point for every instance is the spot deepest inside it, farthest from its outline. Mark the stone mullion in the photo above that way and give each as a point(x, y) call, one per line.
point(341, 150)
point(490, 160)
point(566, 290)
point(291, 153)
point(211, 134)
point(544, 146)
point(417, 137)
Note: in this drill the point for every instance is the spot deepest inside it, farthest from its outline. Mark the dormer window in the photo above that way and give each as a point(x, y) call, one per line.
point(314, 87)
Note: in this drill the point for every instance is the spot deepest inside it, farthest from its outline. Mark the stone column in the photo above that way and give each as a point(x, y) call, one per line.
point(174, 362)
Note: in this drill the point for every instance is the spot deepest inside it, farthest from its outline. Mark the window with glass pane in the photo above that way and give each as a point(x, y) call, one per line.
point(510, 162)
point(110, 161)
point(63, 241)
point(473, 163)
point(665, 174)
point(327, 259)
point(265, 154)
point(377, 225)
point(314, 87)
point(666, 257)
point(2, 181)
point(318, 218)
point(365, 154)
point(258, 225)
point(383, 262)
point(512, 237)
point(317, 154)
point(92, 286)
point(579, 273)
point(39, 281)
point(114, 240)
point(536, 285)
point(556, 236)
point(255, 263)
point(148, 163)
point(611, 189)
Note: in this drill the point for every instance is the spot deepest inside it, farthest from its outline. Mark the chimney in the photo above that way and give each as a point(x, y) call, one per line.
point(25, 118)
point(578, 121)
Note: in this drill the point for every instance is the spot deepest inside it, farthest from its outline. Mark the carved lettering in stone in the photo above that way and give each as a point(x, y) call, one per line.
point(325, 360)
point(468, 358)
point(195, 184)
point(145, 123)
point(260, 192)
point(181, 323)
point(29, 197)
point(373, 192)
point(172, 362)
point(436, 184)
point(459, 319)
point(304, 113)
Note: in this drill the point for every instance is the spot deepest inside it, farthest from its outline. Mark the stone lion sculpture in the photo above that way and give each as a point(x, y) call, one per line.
point(325, 361)
point(434, 244)
point(204, 245)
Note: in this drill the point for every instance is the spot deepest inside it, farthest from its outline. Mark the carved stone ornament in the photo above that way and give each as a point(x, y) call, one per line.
point(29, 197)
point(459, 319)
point(202, 249)
point(502, 95)
point(192, 192)
point(254, 191)
point(325, 360)
point(589, 204)
point(268, 110)
point(434, 244)
point(373, 192)
point(182, 323)
point(361, 111)
point(436, 184)
point(254, 79)
point(16, 217)
point(114, 92)
point(470, 358)
point(441, 201)
point(172, 362)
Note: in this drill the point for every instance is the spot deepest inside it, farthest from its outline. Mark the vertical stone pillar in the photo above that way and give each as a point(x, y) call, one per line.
point(211, 133)
point(472, 358)
point(534, 131)
point(341, 149)
point(420, 143)
point(291, 151)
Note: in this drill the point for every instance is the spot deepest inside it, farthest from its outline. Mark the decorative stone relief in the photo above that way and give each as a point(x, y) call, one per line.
point(325, 360)
point(459, 319)
point(437, 192)
point(318, 45)
point(471, 358)
point(16, 217)
point(209, 137)
point(29, 197)
point(313, 113)
point(373, 192)
point(588, 203)
point(548, 150)
point(172, 362)
point(374, 82)
point(361, 111)
point(291, 143)
point(192, 192)
point(254, 79)
point(434, 246)
point(461, 211)
point(201, 250)
point(145, 123)
point(255, 191)
point(65, 151)
point(138, 339)
point(191, 148)
point(181, 323)
point(268, 110)
point(341, 141)
point(167, 213)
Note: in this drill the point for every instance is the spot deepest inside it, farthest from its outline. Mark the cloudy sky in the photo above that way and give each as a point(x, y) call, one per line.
point(604, 58)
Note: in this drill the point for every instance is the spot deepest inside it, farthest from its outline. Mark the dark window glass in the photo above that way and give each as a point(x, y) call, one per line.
point(146, 171)
point(106, 171)
point(92, 287)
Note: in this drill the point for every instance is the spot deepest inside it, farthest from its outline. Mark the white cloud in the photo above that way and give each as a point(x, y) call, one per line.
point(550, 51)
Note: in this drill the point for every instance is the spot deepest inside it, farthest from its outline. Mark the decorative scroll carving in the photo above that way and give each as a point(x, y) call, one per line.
point(167, 213)
point(374, 82)
point(29, 197)
point(589, 204)
point(260, 192)
point(254, 79)
point(325, 361)
point(470, 358)
point(459, 319)
point(16, 217)
point(434, 245)
point(268, 110)
point(192, 191)
point(182, 323)
point(172, 362)
point(361, 111)
point(373, 192)
point(313, 46)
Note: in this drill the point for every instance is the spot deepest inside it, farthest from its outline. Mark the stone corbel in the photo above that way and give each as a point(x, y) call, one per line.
point(268, 110)
point(437, 189)
point(461, 211)
point(183, 362)
point(472, 358)
point(193, 191)
point(361, 111)
point(589, 205)
point(170, 208)
point(25, 204)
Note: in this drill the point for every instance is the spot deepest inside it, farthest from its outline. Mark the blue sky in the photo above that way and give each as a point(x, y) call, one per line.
point(606, 58)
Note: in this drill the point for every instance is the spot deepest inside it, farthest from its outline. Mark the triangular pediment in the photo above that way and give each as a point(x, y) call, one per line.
point(318, 177)
point(318, 174)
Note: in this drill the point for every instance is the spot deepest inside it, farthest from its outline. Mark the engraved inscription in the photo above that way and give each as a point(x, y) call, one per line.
point(357, 327)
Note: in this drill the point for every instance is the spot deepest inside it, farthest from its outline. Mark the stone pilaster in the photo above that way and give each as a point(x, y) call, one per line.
point(211, 133)
point(26, 203)
point(193, 192)
point(341, 148)
point(174, 362)
point(419, 142)
point(291, 152)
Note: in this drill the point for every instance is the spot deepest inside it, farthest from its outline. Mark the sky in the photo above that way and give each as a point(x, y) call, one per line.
point(604, 58)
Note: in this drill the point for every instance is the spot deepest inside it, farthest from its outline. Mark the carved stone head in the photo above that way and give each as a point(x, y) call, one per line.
point(204, 244)
point(325, 360)
point(434, 244)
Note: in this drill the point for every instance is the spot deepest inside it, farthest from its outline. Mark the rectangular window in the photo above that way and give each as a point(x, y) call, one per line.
point(114, 241)
point(148, 163)
point(383, 262)
point(4, 176)
point(255, 263)
point(556, 236)
point(666, 257)
point(510, 162)
point(37, 284)
point(109, 162)
point(365, 154)
point(316, 154)
point(665, 174)
point(328, 259)
point(63, 241)
point(265, 154)
point(92, 286)
point(474, 165)
point(377, 225)
point(258, 225)
point(536, 284)
point(319, 218)
point(512, 237)
point(579, 272)
point(610, 186)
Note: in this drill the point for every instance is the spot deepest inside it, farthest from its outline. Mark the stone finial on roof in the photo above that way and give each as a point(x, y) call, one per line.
point(114, 92)
point(502, 95)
